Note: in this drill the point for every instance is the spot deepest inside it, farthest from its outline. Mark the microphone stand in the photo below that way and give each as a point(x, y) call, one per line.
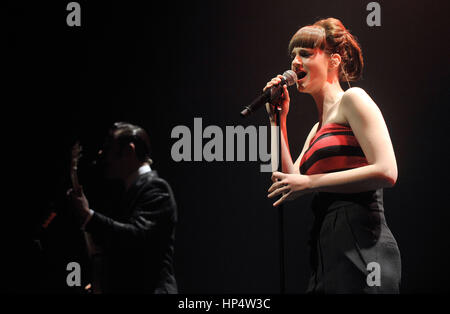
point(280, 207)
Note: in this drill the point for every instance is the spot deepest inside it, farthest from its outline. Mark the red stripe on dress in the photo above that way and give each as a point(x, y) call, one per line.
point(330, 127)
point(332, 140)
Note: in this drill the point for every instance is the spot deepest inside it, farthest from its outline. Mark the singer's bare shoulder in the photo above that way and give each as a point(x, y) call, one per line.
point(354, 94)
point(356, 103)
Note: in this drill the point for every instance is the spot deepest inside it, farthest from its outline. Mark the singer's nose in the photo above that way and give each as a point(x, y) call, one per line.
point(296, 62)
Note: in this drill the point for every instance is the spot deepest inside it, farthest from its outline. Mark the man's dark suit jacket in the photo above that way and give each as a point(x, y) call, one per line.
point(138, 239)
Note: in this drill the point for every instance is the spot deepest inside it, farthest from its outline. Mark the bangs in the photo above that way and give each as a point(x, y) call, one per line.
point(308, 37)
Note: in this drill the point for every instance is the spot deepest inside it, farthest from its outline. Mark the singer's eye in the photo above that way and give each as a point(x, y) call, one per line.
point(305, 54)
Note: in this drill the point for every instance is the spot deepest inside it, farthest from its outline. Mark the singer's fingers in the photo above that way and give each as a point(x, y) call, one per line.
point(281, 200)
point(268, 85)
point(283, 189)
point(275, 186)
point(285, 92)
point(276, 80)
point(278, 175)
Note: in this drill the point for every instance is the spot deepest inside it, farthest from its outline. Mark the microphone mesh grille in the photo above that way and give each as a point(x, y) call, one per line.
point(290, 77)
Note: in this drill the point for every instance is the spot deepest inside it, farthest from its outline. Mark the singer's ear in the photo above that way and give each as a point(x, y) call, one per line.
point(335, 60)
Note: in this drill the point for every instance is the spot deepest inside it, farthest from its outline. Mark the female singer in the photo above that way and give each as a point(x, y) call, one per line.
point(346, 161)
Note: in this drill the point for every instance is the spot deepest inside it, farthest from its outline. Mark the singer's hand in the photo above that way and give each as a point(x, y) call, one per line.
point(289, 186)
point(283, 100)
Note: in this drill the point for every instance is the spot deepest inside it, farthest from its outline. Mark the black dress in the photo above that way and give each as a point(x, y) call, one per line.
point(352, 249)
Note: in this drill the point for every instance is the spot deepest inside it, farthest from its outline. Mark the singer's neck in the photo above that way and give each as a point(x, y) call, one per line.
point(327, 98)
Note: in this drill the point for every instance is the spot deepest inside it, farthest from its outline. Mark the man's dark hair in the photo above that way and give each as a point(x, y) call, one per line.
point(126, 133)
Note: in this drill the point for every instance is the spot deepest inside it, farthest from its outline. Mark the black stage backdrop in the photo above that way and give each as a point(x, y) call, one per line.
point(162, 65)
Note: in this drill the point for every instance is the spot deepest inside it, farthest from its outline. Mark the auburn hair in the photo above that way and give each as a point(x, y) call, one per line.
point(331, 36)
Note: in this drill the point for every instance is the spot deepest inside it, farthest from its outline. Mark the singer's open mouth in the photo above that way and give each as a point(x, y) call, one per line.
point(301, 75)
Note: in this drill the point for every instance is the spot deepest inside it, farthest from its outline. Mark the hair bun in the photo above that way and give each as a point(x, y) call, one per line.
point(340, 40)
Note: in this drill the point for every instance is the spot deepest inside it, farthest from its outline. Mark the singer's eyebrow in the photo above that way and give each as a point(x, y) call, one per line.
point(299, 49)
point(303, 49)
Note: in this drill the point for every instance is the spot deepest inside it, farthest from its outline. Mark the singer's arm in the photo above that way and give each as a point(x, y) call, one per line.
point(287, 165)
point(305, 147)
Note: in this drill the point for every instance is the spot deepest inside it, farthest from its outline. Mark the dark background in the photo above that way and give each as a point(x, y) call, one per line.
point(161, 65)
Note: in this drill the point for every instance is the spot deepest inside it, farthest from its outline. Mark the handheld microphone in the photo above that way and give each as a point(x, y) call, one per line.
point(271, 94)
